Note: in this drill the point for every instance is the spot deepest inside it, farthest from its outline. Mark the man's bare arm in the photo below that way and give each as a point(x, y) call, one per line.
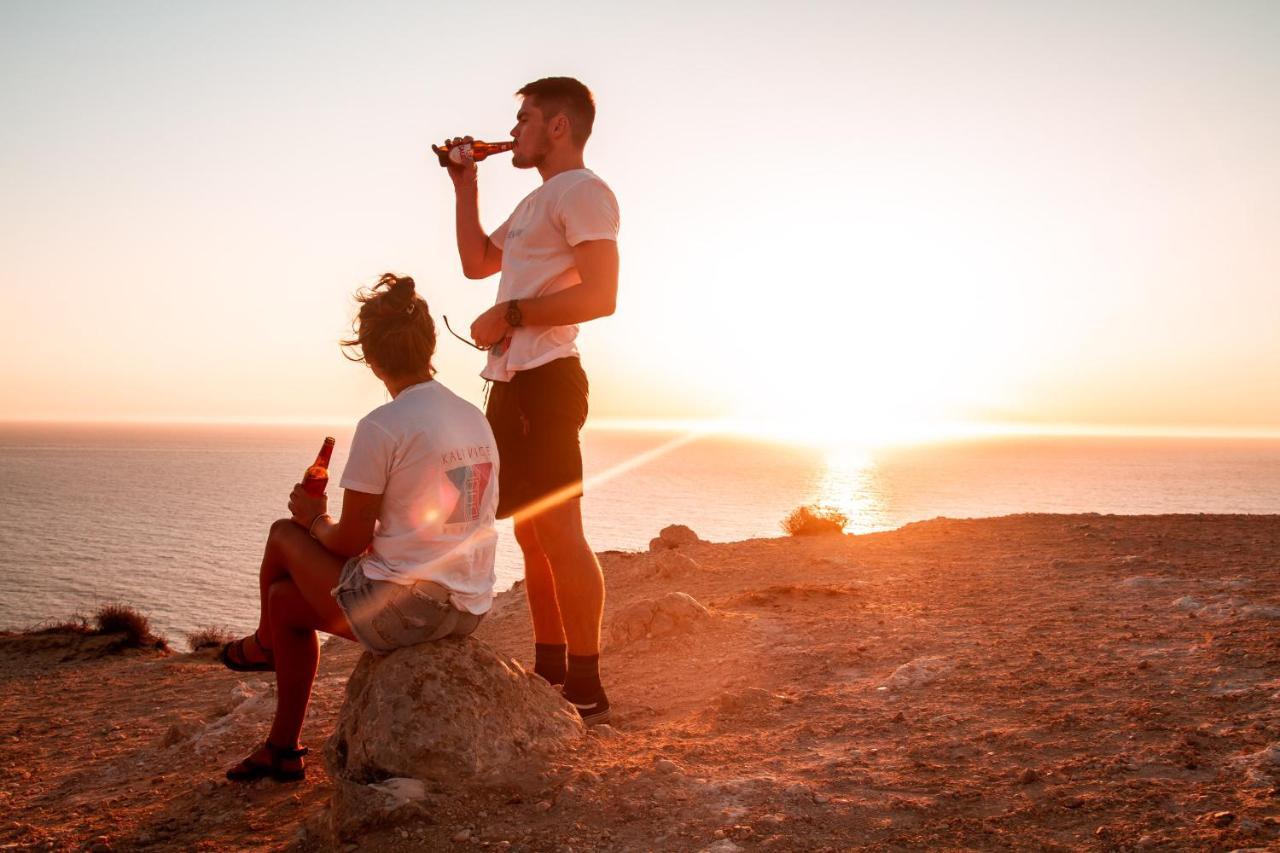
point(480, 258)
point(596, 296)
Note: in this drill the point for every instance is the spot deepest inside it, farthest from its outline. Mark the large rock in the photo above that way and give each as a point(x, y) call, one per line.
point(447, 713)
point(673, 613)
point(673, 536)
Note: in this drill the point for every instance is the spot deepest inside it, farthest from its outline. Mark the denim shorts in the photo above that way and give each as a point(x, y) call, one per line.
point(386, 616)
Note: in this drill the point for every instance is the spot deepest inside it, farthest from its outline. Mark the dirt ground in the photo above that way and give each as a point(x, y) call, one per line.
point(1028, 682)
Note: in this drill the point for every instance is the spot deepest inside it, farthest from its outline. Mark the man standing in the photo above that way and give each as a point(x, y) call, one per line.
point(558, 255)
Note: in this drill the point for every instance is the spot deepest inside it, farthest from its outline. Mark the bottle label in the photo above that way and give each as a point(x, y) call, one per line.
point(461, 154)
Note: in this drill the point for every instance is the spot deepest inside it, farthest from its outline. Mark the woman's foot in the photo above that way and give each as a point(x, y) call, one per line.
point(284, 764)
point(247, 655)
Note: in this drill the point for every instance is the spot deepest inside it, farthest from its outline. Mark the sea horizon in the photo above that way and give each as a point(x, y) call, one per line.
point(171, 518)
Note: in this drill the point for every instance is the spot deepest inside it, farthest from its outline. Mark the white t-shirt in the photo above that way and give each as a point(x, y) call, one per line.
point(432, 457)
point(537, 243)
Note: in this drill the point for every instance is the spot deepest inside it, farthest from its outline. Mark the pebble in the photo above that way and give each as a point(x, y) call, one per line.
point(604, 731)
point(666, 765)
point(543, 806)
point(1222, 818)
point(1028, 776)
point(722, 846)
point(462, 836)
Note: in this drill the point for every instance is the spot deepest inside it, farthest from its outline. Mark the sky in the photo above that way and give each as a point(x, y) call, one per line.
point(837, 218)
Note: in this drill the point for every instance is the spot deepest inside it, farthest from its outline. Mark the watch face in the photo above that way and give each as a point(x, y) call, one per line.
point(513, 315)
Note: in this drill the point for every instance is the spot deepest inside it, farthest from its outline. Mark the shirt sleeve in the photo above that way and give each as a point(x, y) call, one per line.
point(589, 211)
point(369, 462)
point(499, 236)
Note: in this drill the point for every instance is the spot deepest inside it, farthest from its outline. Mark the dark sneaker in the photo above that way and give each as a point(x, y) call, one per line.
point(592, 713)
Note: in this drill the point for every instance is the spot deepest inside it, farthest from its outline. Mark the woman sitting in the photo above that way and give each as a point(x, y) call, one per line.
point(410, 560)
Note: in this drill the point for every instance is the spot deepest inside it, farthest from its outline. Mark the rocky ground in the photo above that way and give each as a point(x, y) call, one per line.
point(1028, 682)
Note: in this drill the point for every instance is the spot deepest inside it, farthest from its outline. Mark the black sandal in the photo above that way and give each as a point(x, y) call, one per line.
point(251, 771)
point(241, 662)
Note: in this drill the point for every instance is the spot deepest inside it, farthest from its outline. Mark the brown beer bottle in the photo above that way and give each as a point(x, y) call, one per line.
point(475, 151)
point(317, 476)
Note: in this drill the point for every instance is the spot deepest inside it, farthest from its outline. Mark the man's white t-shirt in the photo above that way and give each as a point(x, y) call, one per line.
point(432, 457)
point(537, 243)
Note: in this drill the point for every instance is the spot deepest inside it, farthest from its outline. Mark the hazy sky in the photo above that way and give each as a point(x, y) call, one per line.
point(858, 216)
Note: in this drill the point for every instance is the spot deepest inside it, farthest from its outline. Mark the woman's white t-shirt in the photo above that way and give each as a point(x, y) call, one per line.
point(537, 243)
point(432, 457)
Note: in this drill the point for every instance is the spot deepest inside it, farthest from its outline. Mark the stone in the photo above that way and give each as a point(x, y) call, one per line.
point(179, 733)
point(673, 564)
point(673, 613)
point(677, 535)
point(1028, 776)
point(753, 702)
point(431, 717)
point(724, 845)
point(666, 765)
point(1144, 582)
point(462, 836)
point(917, 673)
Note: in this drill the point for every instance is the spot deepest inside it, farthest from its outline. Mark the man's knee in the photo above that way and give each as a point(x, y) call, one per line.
point(561, 542)
point(527, 537)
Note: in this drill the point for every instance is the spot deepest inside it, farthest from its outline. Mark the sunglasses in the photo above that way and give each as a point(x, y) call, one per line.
point(460, 337)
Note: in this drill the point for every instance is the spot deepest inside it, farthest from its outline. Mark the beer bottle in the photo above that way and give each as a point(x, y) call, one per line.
point(473, 151)
point(317, 476)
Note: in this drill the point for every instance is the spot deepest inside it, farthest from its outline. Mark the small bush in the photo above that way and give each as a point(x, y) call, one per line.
point(209, 637)
point(76, 624)
point(814, 521)
point(121, 619)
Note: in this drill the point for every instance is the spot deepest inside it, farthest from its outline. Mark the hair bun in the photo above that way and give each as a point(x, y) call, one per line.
point(403, 287)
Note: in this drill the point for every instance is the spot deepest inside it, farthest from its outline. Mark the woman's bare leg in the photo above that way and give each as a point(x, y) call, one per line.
point(273, 568)
point(298, 603)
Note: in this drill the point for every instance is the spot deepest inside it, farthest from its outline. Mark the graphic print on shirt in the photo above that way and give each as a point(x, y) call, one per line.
point(470, 481)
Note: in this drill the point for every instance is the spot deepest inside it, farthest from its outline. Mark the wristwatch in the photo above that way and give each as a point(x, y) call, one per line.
point(513, 316)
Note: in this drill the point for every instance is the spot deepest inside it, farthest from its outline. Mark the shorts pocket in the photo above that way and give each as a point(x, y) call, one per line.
point(407, 617)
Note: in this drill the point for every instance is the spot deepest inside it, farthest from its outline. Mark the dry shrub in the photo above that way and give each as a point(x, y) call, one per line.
point(814, 520)
point(122, 619)
point(76, 624)
point(209, 637)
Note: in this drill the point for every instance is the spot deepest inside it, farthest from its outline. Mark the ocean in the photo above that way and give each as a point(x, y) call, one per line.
point(171, 519)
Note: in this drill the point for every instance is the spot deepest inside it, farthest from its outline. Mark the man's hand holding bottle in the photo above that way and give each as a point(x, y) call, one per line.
point(460, 154)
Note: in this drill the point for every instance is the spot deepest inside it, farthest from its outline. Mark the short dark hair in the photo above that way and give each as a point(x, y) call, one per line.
point(394, 328)
point(554, 95)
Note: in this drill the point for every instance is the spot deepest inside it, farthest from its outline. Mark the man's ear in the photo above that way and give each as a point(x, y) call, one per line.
point(560, 125)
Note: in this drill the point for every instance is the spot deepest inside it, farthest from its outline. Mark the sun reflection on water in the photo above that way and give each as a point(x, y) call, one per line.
point(850, 483)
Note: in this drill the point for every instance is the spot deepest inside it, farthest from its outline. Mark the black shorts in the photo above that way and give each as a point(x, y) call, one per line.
point(536, 418)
